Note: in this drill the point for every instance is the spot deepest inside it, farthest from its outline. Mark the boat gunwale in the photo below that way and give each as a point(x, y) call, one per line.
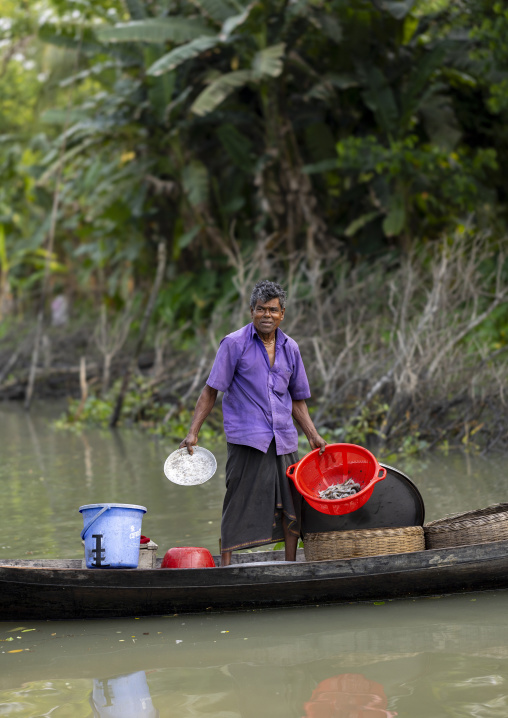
point(296, 570)
point(80, 593)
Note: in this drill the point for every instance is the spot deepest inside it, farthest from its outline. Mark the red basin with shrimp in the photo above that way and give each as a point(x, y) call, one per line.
point(337, 464)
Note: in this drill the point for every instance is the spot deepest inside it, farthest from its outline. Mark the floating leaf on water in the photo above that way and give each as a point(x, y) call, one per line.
point(18, 650)
point(13, 630)
point(379, 603)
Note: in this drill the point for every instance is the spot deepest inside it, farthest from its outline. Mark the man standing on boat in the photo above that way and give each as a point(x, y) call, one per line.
point(261, 372)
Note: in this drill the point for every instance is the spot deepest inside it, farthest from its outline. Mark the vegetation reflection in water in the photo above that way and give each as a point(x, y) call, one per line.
point(428, 657)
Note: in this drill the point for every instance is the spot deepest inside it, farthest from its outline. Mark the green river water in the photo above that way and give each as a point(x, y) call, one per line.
point(442, 656)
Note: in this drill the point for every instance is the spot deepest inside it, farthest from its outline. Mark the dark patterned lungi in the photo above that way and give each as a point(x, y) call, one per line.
point(258, 494)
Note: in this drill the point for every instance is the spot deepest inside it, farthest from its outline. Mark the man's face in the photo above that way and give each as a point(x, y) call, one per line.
point(266, 316)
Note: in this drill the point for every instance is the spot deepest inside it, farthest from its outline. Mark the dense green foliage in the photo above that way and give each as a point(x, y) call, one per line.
point(307, 140)
point(310, 127)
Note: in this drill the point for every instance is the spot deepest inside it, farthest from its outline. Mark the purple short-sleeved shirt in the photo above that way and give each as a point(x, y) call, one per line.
point(257, 402)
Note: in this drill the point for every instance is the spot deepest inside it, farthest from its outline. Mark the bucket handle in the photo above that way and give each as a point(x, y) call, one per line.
point(93, 520)
point(381, 474)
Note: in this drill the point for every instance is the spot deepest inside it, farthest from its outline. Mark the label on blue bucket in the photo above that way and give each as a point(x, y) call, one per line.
point(111, 533)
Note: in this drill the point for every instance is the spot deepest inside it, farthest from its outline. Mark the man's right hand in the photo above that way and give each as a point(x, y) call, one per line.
point(189, 441)
point(204, 406)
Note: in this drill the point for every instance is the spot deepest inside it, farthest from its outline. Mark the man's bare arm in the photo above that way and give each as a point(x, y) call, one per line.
point(204, 406)
point(302, 417)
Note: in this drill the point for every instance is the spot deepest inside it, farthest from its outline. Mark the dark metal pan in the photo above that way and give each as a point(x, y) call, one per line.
point(395, 501)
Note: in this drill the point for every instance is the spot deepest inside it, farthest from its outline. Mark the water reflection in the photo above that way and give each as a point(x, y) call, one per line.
point(87, 459)
point(348, 695)
point(125, 696)
point(446, 657)
point(431, 657)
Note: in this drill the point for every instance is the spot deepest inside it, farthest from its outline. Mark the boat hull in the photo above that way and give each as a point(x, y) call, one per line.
point(40, 590)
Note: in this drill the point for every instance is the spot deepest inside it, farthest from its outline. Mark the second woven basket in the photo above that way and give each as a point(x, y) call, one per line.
point(366, 542)
point(469, 527)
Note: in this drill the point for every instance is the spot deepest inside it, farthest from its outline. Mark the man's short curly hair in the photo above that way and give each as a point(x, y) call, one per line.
point(265, 290)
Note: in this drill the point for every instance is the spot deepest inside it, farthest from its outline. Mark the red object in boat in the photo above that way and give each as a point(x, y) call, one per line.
point(188, 557)
point(337, 464)
point(347, 695)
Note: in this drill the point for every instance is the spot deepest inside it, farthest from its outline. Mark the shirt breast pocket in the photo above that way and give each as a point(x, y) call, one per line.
point(281, 381)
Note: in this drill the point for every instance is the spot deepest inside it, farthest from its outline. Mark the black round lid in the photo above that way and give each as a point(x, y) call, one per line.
point(395, 501)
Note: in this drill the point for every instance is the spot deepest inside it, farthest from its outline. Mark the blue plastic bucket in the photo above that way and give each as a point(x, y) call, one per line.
point(111, 533)
point(123, 697)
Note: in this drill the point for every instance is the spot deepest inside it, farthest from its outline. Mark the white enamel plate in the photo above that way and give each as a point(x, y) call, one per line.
point(190, 469)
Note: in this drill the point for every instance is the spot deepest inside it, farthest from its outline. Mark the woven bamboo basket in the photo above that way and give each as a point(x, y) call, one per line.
point(470, 527)
point(366, 542)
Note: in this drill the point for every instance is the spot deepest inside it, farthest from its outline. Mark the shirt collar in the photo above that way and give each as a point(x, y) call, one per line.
point(280, 337)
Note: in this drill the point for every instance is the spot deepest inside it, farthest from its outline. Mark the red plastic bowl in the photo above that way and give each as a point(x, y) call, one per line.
point(188, 557)
point(337, 464)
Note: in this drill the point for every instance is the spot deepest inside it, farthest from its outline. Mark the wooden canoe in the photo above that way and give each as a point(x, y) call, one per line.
point(62, 589)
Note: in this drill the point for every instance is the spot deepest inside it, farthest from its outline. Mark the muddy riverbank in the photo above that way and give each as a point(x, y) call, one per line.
point(386, 400)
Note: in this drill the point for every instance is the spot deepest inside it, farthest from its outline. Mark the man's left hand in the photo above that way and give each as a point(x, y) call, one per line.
point(317, 442)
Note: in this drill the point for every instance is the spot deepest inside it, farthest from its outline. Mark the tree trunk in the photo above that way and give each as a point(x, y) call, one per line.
point(159, 276)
